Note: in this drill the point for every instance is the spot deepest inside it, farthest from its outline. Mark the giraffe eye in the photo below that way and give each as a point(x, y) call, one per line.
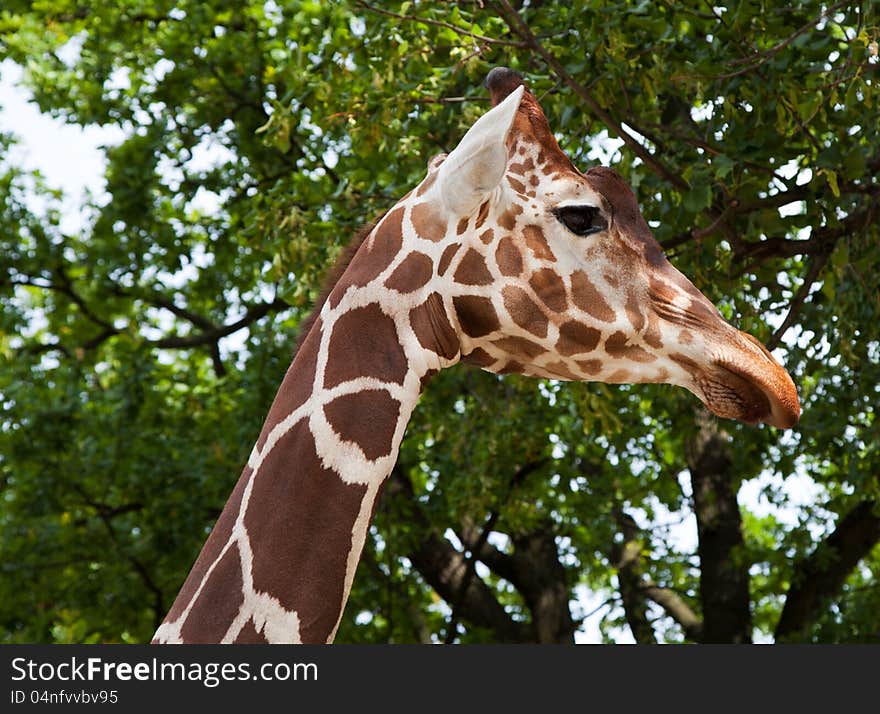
point(582, 220)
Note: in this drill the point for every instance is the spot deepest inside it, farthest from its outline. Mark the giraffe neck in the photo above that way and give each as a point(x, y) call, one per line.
point(279, 563)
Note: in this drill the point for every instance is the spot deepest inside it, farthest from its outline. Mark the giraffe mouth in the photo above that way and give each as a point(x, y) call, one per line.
point(751, 390)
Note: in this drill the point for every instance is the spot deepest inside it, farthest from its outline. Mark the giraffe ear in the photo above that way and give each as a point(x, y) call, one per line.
point(476, 166)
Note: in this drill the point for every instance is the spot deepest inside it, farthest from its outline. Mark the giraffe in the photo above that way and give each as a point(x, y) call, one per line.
point(506, 257)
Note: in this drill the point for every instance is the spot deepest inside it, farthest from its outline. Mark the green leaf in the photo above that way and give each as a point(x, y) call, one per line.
point(831, 177)
point(698, 198)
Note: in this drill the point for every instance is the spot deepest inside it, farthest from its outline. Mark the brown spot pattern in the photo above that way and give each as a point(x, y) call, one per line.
point(704, 311)
point(517, 186)
point(633, 311)
point(549, 287)
point(589, 299)
point(521, 168)
point(472, 270)
point(428, 222)
point(462, 225)
point(538, 244)
point(561, 370)
point(619, 376)
point(686, 337)
point(423, 381)
point(479, 357)
point(508, 218)
point(219, 537)
point(302, 496)
point(512, 367)
point(660, 291)
point(652, 334)
point(338, 291)
point(218, 602)
point(520, 347)
point(590, 366)
point(686, 362)
point(616, 346)
point(575, 338)
point(415, 270)
point(476, 315)
point(373, 256)
point(365, 343)
point(524, 311)
point(296, 387)
point(661, 376)
point(367, 418)
point(612, 280)
point(508, 257)
point(432, 328)
point(446, 258)
point(482, 215)
point(250, 636)
point(487, 236)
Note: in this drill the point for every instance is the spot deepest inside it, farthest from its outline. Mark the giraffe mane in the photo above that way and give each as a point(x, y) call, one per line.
point(332, 277)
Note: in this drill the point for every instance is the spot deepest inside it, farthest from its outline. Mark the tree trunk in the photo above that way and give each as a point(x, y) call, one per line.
point(724, 572)
point(626, 557)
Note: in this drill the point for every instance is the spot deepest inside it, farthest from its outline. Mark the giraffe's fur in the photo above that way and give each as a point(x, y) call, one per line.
point(503, 285)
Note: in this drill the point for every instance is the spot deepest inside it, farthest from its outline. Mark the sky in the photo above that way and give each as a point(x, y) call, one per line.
point(68, 156)
point(71, 159)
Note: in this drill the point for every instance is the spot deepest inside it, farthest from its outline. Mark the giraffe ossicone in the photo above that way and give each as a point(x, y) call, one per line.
point(505, 256)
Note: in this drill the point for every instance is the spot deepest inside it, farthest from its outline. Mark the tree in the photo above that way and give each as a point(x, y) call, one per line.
point(139, 354)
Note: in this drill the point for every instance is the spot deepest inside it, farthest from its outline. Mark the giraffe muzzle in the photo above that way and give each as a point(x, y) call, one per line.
point(748, 384)
point(734, 375)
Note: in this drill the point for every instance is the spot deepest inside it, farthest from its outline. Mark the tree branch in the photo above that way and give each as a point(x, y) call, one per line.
point(762, 56)
point(66, 288)
point(445, 570)
point(822, 574)
point(626, 557)
point(482, 538)
point(520, 28)
point(500, 563)
point(675, 606)
point(211, 336)
point(822, 239)
point(635, 587)
point(202, 322)
point(169, 304)
point(816, 265)
point(535, 570)
point(470, 573)
point(440, 23)
point(106, 514)
point(542, 579)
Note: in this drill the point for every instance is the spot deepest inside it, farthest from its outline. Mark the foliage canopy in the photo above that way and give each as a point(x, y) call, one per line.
point(139, 354)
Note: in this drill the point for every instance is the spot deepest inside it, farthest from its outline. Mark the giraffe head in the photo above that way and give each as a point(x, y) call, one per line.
point(553, 272)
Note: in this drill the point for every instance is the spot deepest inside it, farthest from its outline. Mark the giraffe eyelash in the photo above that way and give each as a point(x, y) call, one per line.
point(581, 220)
